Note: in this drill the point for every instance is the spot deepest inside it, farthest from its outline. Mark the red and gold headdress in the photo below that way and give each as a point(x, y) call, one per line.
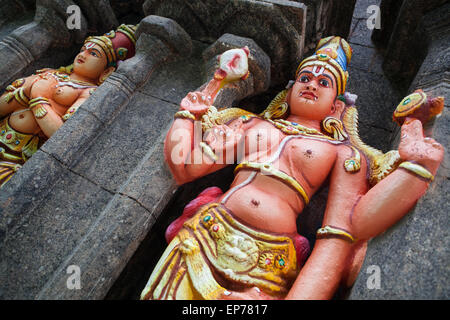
point(117, 45)
point(333, 54)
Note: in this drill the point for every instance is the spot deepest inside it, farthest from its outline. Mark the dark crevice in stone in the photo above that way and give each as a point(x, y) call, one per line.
point(78, 174)
point(158, 98)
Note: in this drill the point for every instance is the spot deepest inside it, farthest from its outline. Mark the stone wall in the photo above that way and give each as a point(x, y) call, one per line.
point(413, 256)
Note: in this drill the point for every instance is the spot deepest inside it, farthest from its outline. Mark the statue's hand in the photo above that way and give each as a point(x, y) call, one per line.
point(250, 294)
point(197, 102)
point(224, 137)
point(415, 147)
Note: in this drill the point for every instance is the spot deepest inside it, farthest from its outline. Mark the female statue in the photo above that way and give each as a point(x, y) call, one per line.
point(244, 244)
point(33, 108)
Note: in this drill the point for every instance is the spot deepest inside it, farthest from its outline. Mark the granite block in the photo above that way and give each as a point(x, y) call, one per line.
point(115, 152)
point(27, 189)
point(71, 140)
point(361, 6)
point(103, 252)
point(33, 250)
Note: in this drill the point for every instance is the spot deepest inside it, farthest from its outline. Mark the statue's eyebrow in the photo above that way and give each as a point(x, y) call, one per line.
point(323, 74)
point(98, 51)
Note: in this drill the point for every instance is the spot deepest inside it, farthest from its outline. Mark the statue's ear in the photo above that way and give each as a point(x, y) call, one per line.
point(288, 96)
point(338, 107)
point(105, 74)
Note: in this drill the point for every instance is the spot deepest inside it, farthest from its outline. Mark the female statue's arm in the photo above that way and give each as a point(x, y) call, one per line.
point(389, 200)
point(16, 95)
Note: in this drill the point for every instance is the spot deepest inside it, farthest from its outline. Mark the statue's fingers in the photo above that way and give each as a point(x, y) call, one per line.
point(412, 130)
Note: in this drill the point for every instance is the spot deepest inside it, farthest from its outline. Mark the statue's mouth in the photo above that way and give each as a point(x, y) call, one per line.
point(309, 95)
point(79, 60)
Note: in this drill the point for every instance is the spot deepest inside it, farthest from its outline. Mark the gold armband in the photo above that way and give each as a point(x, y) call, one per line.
point(206, 149)
point(184, 114)
point(330, 232)
point(17, 94)
point(40, 111)
point(417, 170)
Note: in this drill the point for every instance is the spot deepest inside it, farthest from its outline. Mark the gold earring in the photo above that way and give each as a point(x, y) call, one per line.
point(334, 127)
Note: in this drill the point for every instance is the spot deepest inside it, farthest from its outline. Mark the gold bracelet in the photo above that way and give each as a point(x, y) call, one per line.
point(417, 170)
point(184, 114)
point(40, 111)
point(328, 231)
point(206, 149)
point(21, 97)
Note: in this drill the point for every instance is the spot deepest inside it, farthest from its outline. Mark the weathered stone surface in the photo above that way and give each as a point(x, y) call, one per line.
point(68, 143)
point(102, 252)
point(10, 10)
point(366, 59)
point(34, 248)
point(413, 256)
point(362, 6)
point(408, 40)
point(325, 18)
point(24, 192)
point(185, 72)
point(112, 155)
point(280, 34)
point(99, 15)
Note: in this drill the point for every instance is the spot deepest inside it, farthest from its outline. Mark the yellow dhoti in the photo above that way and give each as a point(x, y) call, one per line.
point(213, 253)
point(15, 149)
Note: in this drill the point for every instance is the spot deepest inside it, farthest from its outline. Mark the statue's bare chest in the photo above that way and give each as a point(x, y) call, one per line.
point(50, 88)
point(305, 157)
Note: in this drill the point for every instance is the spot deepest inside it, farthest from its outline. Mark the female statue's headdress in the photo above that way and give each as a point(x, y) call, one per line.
point(117, 45)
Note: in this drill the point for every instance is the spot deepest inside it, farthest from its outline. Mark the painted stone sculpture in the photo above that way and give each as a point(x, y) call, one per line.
point(243, 244)
point(33, 108)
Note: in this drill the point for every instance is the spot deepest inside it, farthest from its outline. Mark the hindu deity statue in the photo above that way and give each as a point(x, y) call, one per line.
point(33, 108)
point(244, 244)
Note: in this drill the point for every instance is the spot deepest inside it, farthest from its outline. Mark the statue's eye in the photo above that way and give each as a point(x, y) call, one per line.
point(94, 54)
point(304, 79)
point(324, 83)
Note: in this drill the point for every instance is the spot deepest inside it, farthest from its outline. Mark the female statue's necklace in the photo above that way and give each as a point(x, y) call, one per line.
point(65, 80)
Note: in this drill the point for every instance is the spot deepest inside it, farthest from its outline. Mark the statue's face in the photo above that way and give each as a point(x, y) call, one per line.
point(313, 94)
point(90, 62)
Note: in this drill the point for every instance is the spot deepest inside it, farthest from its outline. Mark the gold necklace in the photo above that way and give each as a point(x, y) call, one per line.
point(66, 78)
point(293, 128)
